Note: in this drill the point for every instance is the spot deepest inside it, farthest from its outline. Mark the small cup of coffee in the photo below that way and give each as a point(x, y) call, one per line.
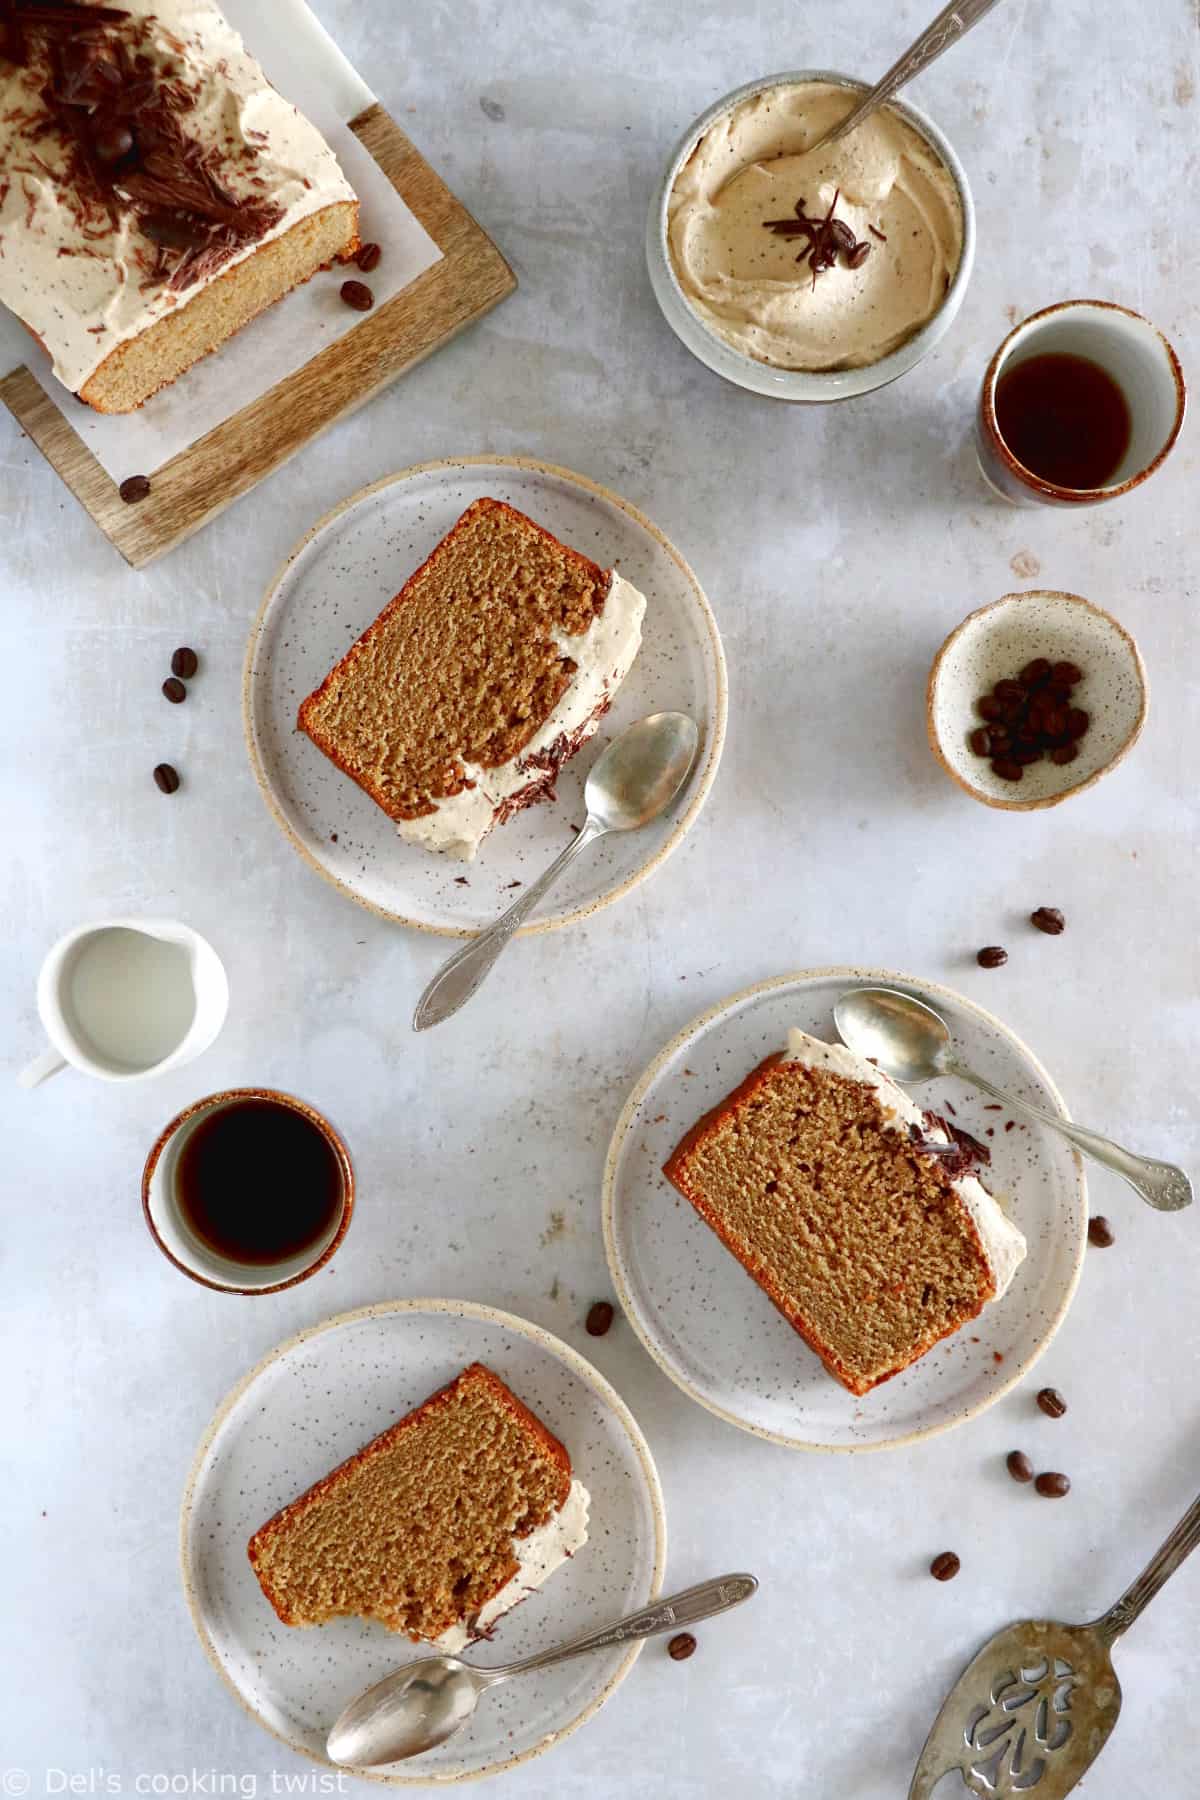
point(1081, 403)
point(248, 1191)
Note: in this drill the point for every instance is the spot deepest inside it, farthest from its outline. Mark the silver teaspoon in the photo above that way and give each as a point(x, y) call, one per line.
point(1035, 1708)
point(910, 1042)
point(952, 23)
point(635, 780)
point(426, 1702)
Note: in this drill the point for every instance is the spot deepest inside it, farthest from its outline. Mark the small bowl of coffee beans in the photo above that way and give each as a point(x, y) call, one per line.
point(1034, 698)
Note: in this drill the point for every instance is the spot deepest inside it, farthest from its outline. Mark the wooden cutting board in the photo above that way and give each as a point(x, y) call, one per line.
point(193, 487)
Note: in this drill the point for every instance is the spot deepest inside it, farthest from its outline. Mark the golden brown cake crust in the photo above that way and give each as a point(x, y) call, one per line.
point(683, 1171)
point(353, 716)
point(277, 1529)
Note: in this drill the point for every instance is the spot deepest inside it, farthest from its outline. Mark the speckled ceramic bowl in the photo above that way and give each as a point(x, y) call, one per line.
point(996, 642)
point(317, 1399)
point(806, 385)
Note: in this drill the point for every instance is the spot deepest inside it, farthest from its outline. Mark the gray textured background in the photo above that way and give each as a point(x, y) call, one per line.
point(837, 547)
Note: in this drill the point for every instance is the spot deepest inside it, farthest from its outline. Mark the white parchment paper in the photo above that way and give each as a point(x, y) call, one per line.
point(306, 66)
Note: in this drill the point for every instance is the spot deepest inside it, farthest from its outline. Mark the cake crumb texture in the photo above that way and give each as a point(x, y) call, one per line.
point(462, 667)
point(416, 1531)
point(858, 1238)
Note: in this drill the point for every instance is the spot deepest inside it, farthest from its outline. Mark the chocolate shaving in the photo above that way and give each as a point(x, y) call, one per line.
point(827, 238)
point(962, 1155)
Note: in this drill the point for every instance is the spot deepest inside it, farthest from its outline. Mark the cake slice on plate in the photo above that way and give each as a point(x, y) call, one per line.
point(436, 1527)
point(493, 664)
point(816, 1173)
point(155, 191)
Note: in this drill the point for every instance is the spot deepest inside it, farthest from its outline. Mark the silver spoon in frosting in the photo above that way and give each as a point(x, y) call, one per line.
point(952, 23)
point(631, 784)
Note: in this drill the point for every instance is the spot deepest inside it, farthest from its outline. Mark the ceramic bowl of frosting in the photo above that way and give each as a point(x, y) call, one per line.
point(732, 290)
point(994, 644)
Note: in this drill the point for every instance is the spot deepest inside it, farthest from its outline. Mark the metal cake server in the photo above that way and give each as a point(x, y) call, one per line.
point(911, 1042)
point(630, 784)
point(952, 23)
point(427, 1701)
point(1033, 1711)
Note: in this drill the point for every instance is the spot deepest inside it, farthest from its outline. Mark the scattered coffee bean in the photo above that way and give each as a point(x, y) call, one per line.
point(857, 257)
point(600, 1317)
point(945, 1567)
point(1100, 1232)
point(982, 740)
point(992, 956)
point(114, 143)
point(1035, 672)
point(134, 488)
point(842, 235)
point(1053, 1486)
point(166, 779)
point(1007, 769)
point(358, 295)
point(1066, 674)
point(681, 1646)
point(368, 257)
point(184, 663)
point(174, 689)
point(1049, 920)
point(1051, 1403)
point(1064, 753)
point(1019, 1466)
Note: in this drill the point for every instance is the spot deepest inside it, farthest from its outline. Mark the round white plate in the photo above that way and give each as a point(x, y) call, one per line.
point(334, 584)
point(715, 1332)
point(314, 1401)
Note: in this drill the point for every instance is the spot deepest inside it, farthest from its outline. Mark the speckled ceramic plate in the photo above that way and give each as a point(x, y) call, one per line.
point(715, 1332)
point(317, 1399)
point(339, 578)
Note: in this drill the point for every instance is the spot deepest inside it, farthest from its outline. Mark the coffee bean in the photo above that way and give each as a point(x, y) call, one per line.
point(681, 1646)
point(1066, 674)
point(980, 741)
point(842, 235)
point(1007, 769)
point(114, 143)
point(1078, 722)
point(858, 256)
point(368, 257)
point(174, 689)
point(600, 1317)
point(992, 956)
point(1009, 690)
point(1019, 1466)
point(1049, 920)
point(1026, 754)
point(1100, 1232)
point(358, 295)
point(1053, 1486)
point(1035, 672)
point(945, 1567)
point(166, 780)
point(1051, 1403)
point(184, 663)
point(134, 488)
point(988, 708)
point(1065, 753)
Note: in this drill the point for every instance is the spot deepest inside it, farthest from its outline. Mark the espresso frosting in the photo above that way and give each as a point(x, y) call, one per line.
point(78, 263)
point(545, 1549)
point(744, 282)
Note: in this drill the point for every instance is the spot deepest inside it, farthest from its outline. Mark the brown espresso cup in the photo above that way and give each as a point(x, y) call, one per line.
point(248, 1191)
point(1133, 353)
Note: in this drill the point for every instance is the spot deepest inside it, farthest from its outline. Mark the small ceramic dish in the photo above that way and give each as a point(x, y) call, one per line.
point(805, 385)
point(995, 643)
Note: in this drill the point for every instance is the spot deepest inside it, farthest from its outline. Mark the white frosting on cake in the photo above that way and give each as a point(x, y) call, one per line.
point(1003, 1244)
point(603, 656)
point(85, 292)
point(544, 1550)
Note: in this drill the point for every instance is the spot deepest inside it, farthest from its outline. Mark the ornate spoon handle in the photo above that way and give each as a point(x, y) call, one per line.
point(1171, 1553)
point(668, 1614)
point(1160, 1184)
point(952, 23)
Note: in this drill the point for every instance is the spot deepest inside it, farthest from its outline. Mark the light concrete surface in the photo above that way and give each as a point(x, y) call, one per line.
point(838, 547)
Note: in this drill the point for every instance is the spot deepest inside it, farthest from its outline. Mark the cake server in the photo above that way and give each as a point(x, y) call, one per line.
point(911, 1042)
point(426, 1702)
point(1035, 1708)
point(952, 23)
point(629, 785)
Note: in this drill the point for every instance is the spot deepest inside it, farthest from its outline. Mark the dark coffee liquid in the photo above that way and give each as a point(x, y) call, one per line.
point(1065, 419)
point(258, 1183)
